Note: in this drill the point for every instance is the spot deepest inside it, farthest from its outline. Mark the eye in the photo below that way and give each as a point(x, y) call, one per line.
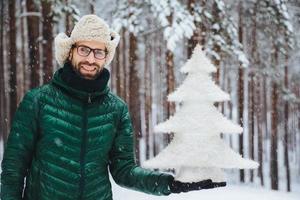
point(83, 50)
point(99, 53)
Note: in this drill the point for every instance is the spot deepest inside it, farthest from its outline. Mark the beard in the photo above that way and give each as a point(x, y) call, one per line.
point(87, 70)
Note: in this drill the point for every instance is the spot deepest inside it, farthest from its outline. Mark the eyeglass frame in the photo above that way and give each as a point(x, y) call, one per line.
point(91, 50)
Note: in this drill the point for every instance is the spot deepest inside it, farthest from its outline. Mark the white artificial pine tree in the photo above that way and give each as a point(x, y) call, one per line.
point(197, 152)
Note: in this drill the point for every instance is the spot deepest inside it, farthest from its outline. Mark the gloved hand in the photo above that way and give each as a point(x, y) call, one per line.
point(177, 186)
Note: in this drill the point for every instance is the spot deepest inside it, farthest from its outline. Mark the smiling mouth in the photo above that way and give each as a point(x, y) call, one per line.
point(88, 68)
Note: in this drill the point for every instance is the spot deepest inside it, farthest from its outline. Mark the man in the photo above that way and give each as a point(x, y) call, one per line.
point(66, 134)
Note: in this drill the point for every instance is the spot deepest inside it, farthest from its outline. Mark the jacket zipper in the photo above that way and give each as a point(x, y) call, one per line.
point(89, 98)
point(83, 148)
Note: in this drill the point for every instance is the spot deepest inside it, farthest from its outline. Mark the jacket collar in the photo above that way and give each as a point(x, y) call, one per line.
point(86, 90)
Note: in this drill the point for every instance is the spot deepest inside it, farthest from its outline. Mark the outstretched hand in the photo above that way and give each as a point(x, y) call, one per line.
point(177, 186)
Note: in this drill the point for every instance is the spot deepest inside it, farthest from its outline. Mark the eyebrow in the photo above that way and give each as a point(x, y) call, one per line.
point(91, 47)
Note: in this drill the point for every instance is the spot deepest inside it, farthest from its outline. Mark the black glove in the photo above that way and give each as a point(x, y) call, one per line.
point(177, 186)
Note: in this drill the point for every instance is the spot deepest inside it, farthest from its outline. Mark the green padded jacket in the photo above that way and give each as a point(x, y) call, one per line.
point(63, 143)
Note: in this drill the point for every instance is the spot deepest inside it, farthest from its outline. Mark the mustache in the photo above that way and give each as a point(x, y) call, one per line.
point(90, 64)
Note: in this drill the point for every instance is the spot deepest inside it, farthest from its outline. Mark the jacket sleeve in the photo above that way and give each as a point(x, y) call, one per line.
point(18, 150)
point(123, 168)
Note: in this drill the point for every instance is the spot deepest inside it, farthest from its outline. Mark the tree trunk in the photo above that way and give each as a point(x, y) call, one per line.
point(265, 111)
point(229, 104)
point(117, 67)
point(12, 59)
point(258, 111)
point(241, 91)
point(92, 6)
point(160, 81)
point(274, 140)
point(170, 77)
point(170, 81)
point(216, 48)
point(113, 74)
point(251, 121)
point(24, 84)
point(3, 103)
point(223, 86)
point(147, 98)
point(33, 44)
point(195, 38)
point(134, 89)
point(19, 68)
point(199, 32)
point(251, 91)
point(124, 66)
point(47, 41)
point(286, 129)
point(68, 22)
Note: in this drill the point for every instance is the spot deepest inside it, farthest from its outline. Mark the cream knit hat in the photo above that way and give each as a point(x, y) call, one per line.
point(88, 28)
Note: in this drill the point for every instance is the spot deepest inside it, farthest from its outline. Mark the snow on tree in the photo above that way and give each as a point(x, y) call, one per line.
point(197, 152)
point(129, 15)
point(221, 33)
point(172, 16)
point(175, 17)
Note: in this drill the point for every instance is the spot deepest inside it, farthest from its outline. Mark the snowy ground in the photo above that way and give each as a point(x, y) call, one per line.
point(231, 192)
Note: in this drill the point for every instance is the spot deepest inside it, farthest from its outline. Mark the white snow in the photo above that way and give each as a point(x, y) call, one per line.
point(230, 192)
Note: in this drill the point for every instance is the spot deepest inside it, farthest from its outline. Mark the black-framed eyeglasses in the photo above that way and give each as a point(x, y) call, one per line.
point(85, 51)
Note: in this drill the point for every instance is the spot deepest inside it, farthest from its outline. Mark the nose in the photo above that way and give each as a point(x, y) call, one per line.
point(91, 58)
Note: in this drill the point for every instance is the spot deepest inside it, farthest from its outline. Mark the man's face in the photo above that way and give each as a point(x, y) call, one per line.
point(86, 62)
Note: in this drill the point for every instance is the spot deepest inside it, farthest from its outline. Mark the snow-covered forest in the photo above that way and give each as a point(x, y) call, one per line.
point(254, 45)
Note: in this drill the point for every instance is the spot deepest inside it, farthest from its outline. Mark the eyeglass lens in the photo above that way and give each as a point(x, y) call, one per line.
point(85, 51)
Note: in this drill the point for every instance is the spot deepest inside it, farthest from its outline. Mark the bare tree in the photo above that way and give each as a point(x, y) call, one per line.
point(259, 118)
point(252, 109)
point(120, 68)
point(160, 87)
point(33, 43)
point(229, 104)
point(3, 103)
point(12, 59)
point(47, 40)
point(241, 89)
point(286, 128)
point(134, 89)
point(256, 104)
point(92, 6)
point(170, 77)
point(274, 122)
point(170, 80)
point(24, 84)
point(147, 95)
point(216, 46)
point(117, 69)
point(68, 19)
point(251, 118)
point(124, 88)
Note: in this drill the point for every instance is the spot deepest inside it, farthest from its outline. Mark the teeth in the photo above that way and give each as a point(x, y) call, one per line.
point(88, 68)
